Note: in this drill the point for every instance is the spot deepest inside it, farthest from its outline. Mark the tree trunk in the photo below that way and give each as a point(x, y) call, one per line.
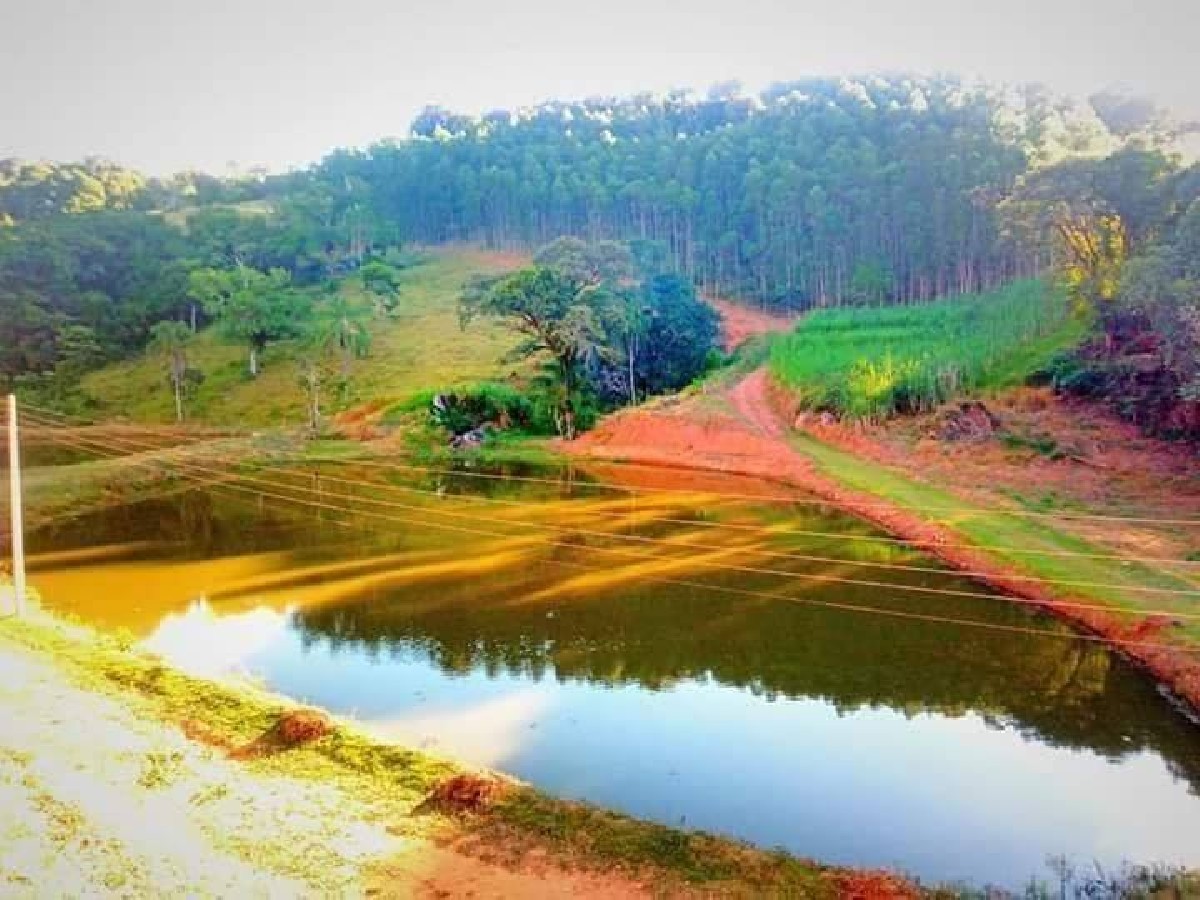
point(314, 399)
point(253, 361)
point(175, 382)
point(632, 385)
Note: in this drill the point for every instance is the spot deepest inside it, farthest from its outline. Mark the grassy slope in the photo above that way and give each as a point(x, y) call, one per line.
point(815, 361)
point(993, 527)
point(423, 347)
point(394, 779)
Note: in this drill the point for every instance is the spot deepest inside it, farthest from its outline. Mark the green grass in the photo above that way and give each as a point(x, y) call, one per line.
point(997, 528)
point(874, 363)
point(419, 348)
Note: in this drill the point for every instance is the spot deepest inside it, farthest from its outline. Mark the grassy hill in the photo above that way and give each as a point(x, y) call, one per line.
point(421, 347)
point(873, 363)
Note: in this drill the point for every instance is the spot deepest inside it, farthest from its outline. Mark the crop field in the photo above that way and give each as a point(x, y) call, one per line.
point(875, 363)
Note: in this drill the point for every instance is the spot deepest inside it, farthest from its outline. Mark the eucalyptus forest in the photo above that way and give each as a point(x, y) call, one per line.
point(812, 194)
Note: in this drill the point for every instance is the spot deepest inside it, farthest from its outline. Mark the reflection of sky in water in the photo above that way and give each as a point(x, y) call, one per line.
point(945, 797)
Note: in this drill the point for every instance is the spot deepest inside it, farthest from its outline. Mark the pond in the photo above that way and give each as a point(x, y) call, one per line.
point(700, 656)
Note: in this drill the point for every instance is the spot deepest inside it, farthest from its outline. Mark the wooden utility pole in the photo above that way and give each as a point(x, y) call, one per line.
point(18, 526)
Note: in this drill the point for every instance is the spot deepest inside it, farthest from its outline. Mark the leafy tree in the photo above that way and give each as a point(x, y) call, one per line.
point(251, 307)
point(169, 341)
point(680, 334)
point(317, 352)
point(382, 281)
point(38, 190)
point(1096, 252)
point(559, 316)
point(606, 263)
point(605, 271)
point(347, 327)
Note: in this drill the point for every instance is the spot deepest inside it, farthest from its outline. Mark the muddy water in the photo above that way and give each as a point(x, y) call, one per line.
point(659, 677)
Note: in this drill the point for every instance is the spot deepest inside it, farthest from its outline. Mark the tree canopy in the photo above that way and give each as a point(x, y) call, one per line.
point(813, 193)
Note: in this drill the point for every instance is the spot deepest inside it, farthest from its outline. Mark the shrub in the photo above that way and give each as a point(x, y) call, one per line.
point(462, 409)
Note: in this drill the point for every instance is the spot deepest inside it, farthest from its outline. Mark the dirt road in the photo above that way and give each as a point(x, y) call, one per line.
point(739, 322)
point(750, 398)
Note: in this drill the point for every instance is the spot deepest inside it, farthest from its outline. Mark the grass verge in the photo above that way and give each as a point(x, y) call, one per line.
point(995, 528)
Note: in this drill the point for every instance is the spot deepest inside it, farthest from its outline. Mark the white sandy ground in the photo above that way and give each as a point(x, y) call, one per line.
point(97, 802)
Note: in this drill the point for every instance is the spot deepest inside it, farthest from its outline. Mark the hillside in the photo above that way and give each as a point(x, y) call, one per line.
point(421, 347)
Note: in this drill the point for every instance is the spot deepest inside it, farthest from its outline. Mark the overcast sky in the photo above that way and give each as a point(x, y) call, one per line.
point(170, 84)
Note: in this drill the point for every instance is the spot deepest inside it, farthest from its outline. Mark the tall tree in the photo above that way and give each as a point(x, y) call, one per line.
point(559, 317)
point(251, 307)
point(348, 327)
point(169, 341)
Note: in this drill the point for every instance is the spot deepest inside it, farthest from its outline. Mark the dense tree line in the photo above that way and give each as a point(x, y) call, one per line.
point(37, 190)
point(77, 290)
point(1130, 224)
point(820, 192)
point(815, 192)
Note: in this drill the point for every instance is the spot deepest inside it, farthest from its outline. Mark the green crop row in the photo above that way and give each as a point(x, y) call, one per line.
point(873, 363)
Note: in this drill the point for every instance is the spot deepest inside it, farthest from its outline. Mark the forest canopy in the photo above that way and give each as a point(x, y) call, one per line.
point(826, 192)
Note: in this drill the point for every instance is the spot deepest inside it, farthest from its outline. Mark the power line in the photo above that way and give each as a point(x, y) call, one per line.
point(910, 543)
point(808, 601)
point(901, 567)
point(960, 510)
point(1062, 604)
point(1181, 592)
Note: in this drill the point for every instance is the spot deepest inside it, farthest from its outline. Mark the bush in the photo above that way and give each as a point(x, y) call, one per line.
point(1073, 373)
point(461, 410)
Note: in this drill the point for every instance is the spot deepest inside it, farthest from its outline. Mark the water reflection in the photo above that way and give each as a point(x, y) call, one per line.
point(952, 752)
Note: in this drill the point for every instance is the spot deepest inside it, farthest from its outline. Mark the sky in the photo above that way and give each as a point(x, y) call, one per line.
point(164, 85)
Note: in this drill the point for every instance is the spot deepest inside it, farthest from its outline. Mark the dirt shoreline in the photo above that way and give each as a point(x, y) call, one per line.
point(752, 441)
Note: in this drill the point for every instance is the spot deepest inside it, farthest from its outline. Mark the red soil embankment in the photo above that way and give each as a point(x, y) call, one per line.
point(751, 441)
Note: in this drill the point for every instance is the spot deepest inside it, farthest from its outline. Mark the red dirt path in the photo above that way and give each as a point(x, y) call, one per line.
point(740, 322)
point(750, 440)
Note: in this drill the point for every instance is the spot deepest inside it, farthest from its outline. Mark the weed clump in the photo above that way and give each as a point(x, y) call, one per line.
point(465, 793)
point(301, 726)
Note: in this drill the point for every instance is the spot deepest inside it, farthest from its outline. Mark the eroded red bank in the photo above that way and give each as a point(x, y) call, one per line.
point(750, 440)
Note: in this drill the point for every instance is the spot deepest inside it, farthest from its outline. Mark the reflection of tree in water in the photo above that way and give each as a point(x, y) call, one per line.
point(1064, 692)
point(190, 524)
